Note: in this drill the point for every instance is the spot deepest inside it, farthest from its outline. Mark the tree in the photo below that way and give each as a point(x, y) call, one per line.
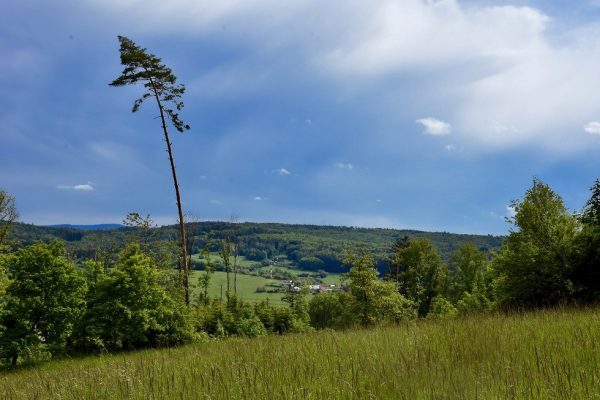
point(8, 213)
point(374, 300)
point(204, 279)
point(129, 308)
point(141, 227)
point(295, 297)
point(586, 250)
point(393, 273)
point(225, 253)
point(419, 273)
point(233, 239)
point(591, 211)
point(469, 279)
point(311, 263)
point(331, 310)
point(160, 84)
point(44, 299)
point(533, 265)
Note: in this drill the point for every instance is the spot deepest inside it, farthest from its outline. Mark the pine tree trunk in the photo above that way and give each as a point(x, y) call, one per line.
point(184, 259)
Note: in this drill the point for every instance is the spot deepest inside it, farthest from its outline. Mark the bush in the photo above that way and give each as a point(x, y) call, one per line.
point(251, 327)
point(332, 310)
point(441, 308)
point(130, 309)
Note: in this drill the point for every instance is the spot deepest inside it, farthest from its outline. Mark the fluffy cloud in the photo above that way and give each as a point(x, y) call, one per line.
point(493, 69)
point(281, 171)
point(86, 187)
point(435, 126)
point(347, 166)
point(593, 128)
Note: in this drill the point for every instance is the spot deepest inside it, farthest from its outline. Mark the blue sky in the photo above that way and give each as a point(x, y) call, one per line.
point(431, 115)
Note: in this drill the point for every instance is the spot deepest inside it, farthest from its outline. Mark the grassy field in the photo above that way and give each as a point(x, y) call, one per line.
point(543, 355)
point(246, 286)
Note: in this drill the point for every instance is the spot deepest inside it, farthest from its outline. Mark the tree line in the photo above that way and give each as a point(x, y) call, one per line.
point(51, 305)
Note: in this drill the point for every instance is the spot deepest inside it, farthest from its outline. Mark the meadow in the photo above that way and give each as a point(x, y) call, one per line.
point(248, 282)
point(541, 355)
point(247, 285)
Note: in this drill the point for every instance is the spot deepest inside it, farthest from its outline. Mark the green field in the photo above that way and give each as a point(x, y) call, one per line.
point(543, 355)
point(248, 283)
point(246, 286)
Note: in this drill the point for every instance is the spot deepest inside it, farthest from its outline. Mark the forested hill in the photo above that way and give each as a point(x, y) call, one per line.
point(257, 241)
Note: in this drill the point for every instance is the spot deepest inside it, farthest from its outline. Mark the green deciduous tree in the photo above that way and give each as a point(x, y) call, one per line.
point(161, 85)
point(533, 265)
point(420, 273)
point(129, 308)
point(298, 304)
point(44, 299)
point(374, 300)
point(469, 276)
point(332, 310)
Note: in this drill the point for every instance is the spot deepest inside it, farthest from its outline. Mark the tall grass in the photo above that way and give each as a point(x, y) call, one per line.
point(543, 355)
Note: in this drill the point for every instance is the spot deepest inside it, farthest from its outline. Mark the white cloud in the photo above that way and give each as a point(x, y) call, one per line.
point(347, 166)
point(86, 187)
point(450, 147)
point(498, 75)
point(281, 171)
point(258, 198)
point(593, 128)
point(482, 64)
point(435, 126)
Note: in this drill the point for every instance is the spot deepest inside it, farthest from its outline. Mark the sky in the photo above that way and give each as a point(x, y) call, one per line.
point(411, 114)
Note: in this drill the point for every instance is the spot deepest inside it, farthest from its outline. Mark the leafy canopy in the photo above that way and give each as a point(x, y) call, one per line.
point(43, 300)
point(533, 264)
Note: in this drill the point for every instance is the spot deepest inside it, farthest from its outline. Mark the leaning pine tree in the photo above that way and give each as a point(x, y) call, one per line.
point(161, 85)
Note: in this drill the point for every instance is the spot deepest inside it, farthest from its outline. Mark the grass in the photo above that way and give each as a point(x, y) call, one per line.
point(542, 355)
point(246, 287)
point(247, 284)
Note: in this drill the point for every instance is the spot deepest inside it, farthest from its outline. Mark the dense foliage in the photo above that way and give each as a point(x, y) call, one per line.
point(309, 247)
point(43, 301)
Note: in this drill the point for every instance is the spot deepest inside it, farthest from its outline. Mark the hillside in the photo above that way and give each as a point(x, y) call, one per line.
point(258, 241)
